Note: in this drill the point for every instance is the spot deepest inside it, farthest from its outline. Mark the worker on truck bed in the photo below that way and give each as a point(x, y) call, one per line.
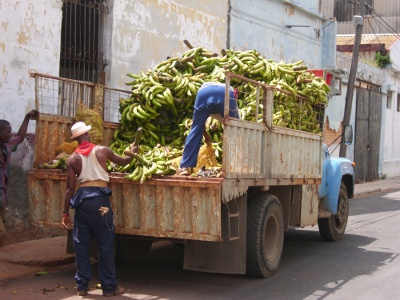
point(8, 144)
point(209, 101)
point(93, 213)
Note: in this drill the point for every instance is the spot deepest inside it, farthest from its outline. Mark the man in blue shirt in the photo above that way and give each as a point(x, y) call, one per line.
point(209, 101)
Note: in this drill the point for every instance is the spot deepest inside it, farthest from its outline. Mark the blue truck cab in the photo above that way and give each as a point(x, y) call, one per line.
point(335, 190)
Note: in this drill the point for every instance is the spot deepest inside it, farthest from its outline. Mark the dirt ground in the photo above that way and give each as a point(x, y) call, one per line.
point(27, 258)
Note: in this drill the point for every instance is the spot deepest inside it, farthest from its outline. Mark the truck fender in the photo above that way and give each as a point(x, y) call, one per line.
point(335, 169)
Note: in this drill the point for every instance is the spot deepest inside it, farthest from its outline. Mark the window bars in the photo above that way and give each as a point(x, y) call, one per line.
point(82, 54)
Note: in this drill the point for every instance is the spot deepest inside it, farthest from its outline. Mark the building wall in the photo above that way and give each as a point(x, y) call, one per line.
point(29, 42)
point(335, 110)
point(391, 142)
point(262, 25)
point(143, 33)
point(386, 19)
point(140, 34)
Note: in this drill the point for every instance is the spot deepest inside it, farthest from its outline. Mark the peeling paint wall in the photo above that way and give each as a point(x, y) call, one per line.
point(144, 33)
point(262, 25)
point(29, 42)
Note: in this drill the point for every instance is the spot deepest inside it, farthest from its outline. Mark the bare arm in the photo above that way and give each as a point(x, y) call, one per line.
point(71, 174)
point(121, 160)
point(32, 115)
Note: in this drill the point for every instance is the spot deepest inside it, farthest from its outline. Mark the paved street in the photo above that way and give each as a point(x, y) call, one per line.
point(364, 265)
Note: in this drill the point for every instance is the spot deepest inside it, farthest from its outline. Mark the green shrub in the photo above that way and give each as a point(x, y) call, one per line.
point(382, 60)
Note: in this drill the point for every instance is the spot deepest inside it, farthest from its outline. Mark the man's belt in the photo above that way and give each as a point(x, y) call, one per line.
point(96, 183)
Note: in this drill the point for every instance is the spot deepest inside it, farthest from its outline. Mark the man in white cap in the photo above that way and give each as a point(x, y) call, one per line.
point(93, 213)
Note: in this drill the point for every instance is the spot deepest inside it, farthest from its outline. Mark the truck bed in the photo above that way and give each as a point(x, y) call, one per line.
point(179, 206)
point(255, 155)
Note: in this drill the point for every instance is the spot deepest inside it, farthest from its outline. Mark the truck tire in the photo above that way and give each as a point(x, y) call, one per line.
point(132, 250)
point(265, 234)
point(333, 228)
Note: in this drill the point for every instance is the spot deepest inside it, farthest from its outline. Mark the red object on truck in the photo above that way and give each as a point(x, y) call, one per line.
point(324, 74)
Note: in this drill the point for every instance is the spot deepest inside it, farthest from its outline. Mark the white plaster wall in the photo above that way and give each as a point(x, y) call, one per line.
point(389, 160)
point(391, 142)
point(335, 110)
point(29, 42)
point(145, 32)
point(261, 25)
point(395, 55)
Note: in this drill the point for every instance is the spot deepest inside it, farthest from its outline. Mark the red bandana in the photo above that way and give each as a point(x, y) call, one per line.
point(85, 148)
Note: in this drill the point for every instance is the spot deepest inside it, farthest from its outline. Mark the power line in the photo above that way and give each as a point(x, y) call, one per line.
point(389, 29)
point(393, 31)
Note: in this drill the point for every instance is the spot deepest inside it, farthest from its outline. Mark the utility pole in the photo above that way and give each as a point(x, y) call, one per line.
point(358, 23)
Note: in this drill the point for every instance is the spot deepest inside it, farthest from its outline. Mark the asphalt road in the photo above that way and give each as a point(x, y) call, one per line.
point(364, 265)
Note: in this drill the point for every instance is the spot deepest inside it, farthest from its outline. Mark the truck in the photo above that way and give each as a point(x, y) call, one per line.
point(273, 178)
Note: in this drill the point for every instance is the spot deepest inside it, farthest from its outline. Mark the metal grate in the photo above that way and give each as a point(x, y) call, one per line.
point(111, 103)
point(63, 96)
point(82, 55)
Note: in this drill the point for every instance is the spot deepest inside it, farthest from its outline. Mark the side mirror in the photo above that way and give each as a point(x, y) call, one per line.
point(348, 135)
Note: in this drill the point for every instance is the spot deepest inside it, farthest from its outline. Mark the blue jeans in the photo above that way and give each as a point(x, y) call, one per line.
point(89, 224)
point(209, 100)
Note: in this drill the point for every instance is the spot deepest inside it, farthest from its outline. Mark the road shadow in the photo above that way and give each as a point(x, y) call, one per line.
point(309, 266)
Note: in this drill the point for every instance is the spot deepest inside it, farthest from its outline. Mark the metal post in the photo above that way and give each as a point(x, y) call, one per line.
point(352, 75)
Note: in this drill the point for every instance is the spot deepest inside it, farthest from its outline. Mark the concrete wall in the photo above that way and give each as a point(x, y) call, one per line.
point(144, 32)
point(29, 42)
point(389, 80)
point(262, 25)
point(391, 121)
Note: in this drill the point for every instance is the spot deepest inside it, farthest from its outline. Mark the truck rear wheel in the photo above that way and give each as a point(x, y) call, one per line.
point(265, 234)
point(333, 228)
point(132, 250)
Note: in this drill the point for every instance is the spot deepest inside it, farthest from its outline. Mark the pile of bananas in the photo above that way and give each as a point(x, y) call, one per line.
point(59, 162)
point(162, 101)
point(148, 162)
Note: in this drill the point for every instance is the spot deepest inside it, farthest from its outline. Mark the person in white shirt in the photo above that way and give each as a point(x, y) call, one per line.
point(93, 213)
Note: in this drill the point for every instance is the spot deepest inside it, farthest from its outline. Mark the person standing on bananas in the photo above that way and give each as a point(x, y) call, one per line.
point(93, 214)
point(209, 101)
point(8, 144)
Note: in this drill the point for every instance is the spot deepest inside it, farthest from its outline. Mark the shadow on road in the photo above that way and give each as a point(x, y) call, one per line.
point(310, 267)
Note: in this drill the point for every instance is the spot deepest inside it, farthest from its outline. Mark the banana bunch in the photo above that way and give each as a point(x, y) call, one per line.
point(148, 162)
point(162, 103)
point(60, 162)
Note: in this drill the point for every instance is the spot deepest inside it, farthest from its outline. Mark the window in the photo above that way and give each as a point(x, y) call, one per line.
point(82, 56)
point(345, 10)
point(389, 100)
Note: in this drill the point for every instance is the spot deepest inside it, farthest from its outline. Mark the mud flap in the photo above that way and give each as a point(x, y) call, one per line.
point(228, 256)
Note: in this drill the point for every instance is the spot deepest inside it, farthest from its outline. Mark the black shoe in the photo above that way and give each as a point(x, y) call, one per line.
point(118, 291)
point(82, 292)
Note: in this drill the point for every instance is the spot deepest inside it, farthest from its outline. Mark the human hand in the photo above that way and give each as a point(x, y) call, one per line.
point(32, 115)
point(134, 149)
point(66, 220)
point(236, 93)
point(207, 137)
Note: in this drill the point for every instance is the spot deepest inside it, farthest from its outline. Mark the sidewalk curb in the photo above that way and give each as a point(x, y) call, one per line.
point(44, 252)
